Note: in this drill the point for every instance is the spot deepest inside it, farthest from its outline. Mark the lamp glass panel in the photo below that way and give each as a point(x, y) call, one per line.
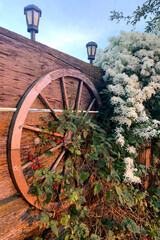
point(36, 18)
point(89, 50)
point(93, 50)
point(29, 17)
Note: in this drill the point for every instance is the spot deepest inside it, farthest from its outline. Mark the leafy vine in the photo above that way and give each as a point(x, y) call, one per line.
point(100, 190)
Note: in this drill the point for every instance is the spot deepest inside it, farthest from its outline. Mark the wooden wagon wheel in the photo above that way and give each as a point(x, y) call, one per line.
point(61, 89)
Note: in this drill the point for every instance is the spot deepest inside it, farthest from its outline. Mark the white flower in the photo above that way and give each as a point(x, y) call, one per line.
point(129, 162)
point(157, 66)
point(131, 149)
point(131, 100)
point(129, 173)
point(115, 100)
point(122, 120)
point(155, 78)
point(156, 123)
point(139, 107)
point(116, 89)
point(110, 72)
point(148, 91)
point(119, 130)
point(120, 139)
point(129, 176)
point(147, 133)
point(132, 67)
point(126, 112)
point(132, 114)
point(142, 119)
point(119, 66)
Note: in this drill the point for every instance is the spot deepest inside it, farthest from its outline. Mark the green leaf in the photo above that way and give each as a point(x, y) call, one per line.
point(84, 212)
point(73, 196)
point(78, 206)
point(111, 235)
point(124, 223)
point(53, 225)
point(124, 196)
point(40, 191)
point(108, 195)
point(128, 198)
point(102, 163)
point(84, 176)
point(156, 205)
point(38, 238)
point(48, 153)
point(81, 199)
point(97, 188)
point(65, 219)
point(48, 188)
point(143, 231)
point(110, 224)
point(83, 227)
point(43, 205)
point(95, 237)
point(53, 143)
point(119, 193)
point(44, 219)
point(71, 149)
point(35, 183)
point(68, 163)
point(102, 174)
point(131, 225)
point(48, 198)
point(38, 173)
point(49, 178)
point(66, 237)
point(85, 133)
point(78, 152)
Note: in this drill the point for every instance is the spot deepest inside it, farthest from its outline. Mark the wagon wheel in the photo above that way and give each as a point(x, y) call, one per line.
point(56, 90)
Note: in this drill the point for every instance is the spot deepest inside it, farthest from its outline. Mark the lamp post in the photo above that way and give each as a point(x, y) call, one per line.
point(33, 14)
point(91, 51)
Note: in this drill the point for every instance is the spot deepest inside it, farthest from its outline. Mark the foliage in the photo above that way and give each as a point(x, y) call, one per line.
point(149, 11)
point(99, 204)
point(98, 193)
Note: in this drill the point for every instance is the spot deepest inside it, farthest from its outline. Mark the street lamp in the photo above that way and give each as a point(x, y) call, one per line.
point(91, 51)
point(33, 14)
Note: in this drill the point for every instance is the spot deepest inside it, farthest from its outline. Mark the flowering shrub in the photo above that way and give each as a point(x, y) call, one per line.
point(132, 75)
point(100, 184)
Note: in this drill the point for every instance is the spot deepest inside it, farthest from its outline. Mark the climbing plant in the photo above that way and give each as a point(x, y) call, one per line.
point(98, 203)
point(100, 190)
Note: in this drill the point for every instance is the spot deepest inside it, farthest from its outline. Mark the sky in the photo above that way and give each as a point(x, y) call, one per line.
point(67, 25)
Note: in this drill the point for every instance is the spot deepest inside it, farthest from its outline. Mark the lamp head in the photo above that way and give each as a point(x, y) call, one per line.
point(33, 14)
point(91, 50)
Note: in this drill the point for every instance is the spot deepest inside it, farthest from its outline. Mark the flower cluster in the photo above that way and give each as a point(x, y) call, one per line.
point(129, 174)
point(132, 74)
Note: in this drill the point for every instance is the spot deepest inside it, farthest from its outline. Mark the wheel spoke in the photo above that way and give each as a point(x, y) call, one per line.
point(90, 106)
point(63, 172)
point(35, 129)
point(78, 97)
point(64, 94)
point(28, 164)
point(47, 105)
point(57, 161)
